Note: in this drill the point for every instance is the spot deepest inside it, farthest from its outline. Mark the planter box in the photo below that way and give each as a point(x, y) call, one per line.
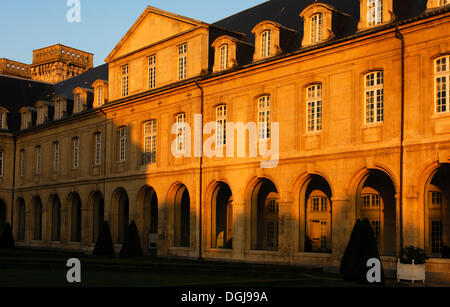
point(412, 272)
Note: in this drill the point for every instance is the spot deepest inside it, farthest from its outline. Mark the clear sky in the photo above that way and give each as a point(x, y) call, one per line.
point(26, 25)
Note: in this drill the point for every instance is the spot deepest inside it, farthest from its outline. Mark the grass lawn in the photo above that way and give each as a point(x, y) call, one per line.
point(22, 267)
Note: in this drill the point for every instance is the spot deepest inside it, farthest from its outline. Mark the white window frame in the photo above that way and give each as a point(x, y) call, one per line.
point(41, 114)
point(182, 61)
point(124, 80)
point(316, 28)
point(99, 96)
point(122, 143)
point(98, 148)
point(264, 104)
point(223, 57)
point(374, 12)
point(221, 125)
point(442, 80)
point(56, 157)
point(75, 152)
point(78, 103)
point(374, 97)
point(58, 109)
point(38, 160)
point(22, 163)
point(266, 38)
point(314, 108)
point(150, 145)
point(180, 121)
point(152, 72)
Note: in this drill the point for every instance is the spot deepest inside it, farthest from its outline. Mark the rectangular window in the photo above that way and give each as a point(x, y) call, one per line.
point(22, 163)
point(223, 57)
point(443, 2)
point(264, 117)
point(100, 96)
point(152, 71)
point(76, 152)
point(181, 130)
point(374, 12)
point(124, 80)
point(221, 125)
point(41, 115)
point(374, 97)
point(442, 78)
point(265, 44)
point(1, 163)
point(436, 236)
point(123, 144)
point(38, 160)
point(272, 235)
point(78, 103)
point(58, 109)
point(182, 61)
point(98, 148)
point(316, 28)
point(323, 234)
point(56, 157)
point(149, 142)
point(376, 229)
point(314, 108)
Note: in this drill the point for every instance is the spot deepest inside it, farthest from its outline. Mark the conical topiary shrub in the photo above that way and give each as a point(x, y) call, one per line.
point(6, 237)
point(132, 244)
point(361, 247)
point(104, 245)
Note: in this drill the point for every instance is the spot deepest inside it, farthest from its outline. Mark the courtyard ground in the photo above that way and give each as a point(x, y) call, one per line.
point(31, 268)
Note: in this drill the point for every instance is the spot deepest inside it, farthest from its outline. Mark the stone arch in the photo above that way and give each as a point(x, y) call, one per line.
point(436, 206)
point(180, 198)
point(121, 206)
point(264, 215)
point(96, 205)
point(375, 199)
point(37, 208)
point(75, 212)
point(315, 214)
point(147, 201)
point(221, 216)
point(54, 205)
point(20, 221)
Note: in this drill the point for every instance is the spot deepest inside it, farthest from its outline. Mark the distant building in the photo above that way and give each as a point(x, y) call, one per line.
point(360, 90)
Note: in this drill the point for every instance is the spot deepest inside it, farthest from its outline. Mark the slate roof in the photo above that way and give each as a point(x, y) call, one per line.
point(19, 92)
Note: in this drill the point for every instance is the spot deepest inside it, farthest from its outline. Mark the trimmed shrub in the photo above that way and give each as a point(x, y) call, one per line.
point(104, 245)
point(6, 238)
point(361, 247)
point(410, 253)
point(132, 244)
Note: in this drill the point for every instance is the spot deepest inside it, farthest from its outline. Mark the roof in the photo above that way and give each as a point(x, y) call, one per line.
point(20, 92)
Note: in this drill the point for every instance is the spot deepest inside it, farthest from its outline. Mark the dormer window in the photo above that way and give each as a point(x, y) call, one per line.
point(78, 103)
point(41, 115)
point(374, 12)
point(100, 92)
point(316, 28)
point(42, 112)
point(80, 99)
point(25, 118)
point(223, 64)
point(265, 44)
point(3, 118)
point(436, 3)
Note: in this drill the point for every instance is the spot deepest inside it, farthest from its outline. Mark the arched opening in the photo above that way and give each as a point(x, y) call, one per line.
point(437, 215)
point(98, 215)
point(2, 215)
point(376, 202)
point(182, 218)
point(75, 231)
point(222, 217)
point(37, 205)
point(149, 205)
point(56, 217)
point(264, 222)
point(123, 211)
point(315, 216)
point(20, 205)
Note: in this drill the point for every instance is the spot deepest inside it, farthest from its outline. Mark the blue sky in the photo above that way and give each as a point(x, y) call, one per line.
point(26, 25)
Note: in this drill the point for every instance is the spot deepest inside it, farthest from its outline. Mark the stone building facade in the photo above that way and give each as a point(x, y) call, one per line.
point(352, 98)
